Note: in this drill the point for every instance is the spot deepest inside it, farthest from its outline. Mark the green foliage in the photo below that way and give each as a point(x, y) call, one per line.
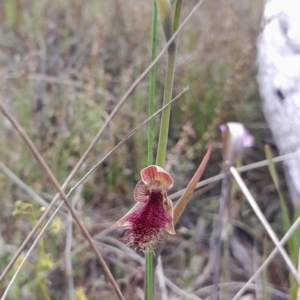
point(64, 66)
point(294, 241)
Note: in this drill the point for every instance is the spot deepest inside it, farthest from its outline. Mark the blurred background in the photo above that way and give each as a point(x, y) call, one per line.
point(64, 65)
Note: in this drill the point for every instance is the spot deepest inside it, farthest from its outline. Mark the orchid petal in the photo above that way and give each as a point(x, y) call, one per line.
point(153, 174)
point(185, 197)
point(168, 207)
point(123, 222)
point(141, 192)
point(152, 215)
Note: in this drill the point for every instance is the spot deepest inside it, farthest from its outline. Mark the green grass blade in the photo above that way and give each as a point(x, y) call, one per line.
point(293, 242)
point(149, 278)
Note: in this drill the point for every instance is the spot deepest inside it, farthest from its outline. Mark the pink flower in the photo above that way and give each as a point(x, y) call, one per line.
point(152, 216)
point(248, 139)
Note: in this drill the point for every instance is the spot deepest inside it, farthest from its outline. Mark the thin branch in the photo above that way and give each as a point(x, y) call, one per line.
point(264, 222)
point(272, 255)
point(14, 178)
point(125, 139)
point(129, 252)
point(75, 251)
point(95, 140)
point(234, 284)
point(256, 165)
point(161, 279)
point(264, 163)
point(81, 181)
point(185, 295)
point(63, 81)
point(68, 246)
point(54, 181)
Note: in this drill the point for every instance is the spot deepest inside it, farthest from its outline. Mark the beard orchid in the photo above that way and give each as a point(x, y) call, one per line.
point(152, 216)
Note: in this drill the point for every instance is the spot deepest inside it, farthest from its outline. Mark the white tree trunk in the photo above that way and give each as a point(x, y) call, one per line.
point(278, 61)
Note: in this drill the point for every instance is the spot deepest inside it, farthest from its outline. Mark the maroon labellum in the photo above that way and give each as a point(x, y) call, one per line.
point(152, 216)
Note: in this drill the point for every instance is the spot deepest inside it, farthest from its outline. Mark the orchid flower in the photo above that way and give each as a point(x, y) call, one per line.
point(248, 139)
point(152, 216)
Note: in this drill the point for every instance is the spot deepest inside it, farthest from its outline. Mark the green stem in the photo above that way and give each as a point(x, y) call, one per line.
point(152, 85)
point(177, 15)
point(149, 278)
point(164, 129)
point(165, 119)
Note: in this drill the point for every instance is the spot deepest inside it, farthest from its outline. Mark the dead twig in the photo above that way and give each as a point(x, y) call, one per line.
point(54, 181)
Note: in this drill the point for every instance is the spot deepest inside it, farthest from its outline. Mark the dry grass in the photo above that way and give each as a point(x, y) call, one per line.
point(63, 67)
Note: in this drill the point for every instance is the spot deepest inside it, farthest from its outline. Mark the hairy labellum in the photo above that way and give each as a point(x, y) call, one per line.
point(152, 216)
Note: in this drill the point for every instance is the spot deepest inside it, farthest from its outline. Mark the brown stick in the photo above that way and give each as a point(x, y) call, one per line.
point(54, 181)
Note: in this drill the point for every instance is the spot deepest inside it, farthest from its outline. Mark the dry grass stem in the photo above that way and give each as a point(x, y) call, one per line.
point(68, 246)
point(81, 181)
point(126, 251)
point(264, 222)
point(52, 178)
point(238, 285)
point(271, 256)
point(161, 279)
point(63, 81)
point(75, 78)
point(241, 169)
point(79, 248)
point(125, 139)
point(95, 140)
point(22, 185)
